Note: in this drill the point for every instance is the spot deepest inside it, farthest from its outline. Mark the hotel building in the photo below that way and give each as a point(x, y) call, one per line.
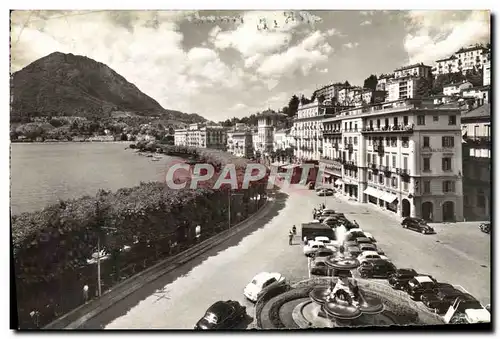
point(239, 143)
point(464, 59)
point(456, 88)
point(476, 132)
point(404, 156)
point(417, 70)
point(202, 136)
point(263, 138)
point(180, 137)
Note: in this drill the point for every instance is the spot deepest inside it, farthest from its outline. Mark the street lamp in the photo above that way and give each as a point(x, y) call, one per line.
point(99, 259)
point(229, 195)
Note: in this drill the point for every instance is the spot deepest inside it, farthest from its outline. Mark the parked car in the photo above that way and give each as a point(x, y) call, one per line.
point(325, 240)
point(352, 251)
point(325, 192)
point(417, 224)
point(399, 279)
point(363, 240)
point(325, 214)
point(370, 256)
point(485, 227)
point(323, 252)
point(318, 265)
point(331, 221)
point(370, 236)
point(353, 234)
point(377, 268)
point(261, 283)
point(363, 247)
point(441, 299)
point(350, 243)
point(311, 247)
point(419, 285)
point(222, 315)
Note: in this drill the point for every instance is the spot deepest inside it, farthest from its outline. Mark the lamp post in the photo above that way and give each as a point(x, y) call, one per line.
point(229, 195)
point(99, 259)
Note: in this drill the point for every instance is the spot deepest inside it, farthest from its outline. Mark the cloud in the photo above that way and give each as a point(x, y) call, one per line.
point(351, 45)
point(334, 32)
point(365, 23)
point(436, 34)
point(303, 57)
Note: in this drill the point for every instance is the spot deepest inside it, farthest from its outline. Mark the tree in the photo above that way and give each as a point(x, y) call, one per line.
point(423, 88)
point(371, 82)
point(304, 100)
point(321, 98)
point(313, 97)
point(293, 105)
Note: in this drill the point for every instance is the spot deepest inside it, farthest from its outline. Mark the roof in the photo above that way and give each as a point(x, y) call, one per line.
point(411, 66)
point(423, 279)
point(446, 59)
point(218, 307)
point(483, 111)
point(471, 48)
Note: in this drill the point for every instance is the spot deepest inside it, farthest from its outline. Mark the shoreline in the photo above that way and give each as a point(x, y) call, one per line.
point(70, 142)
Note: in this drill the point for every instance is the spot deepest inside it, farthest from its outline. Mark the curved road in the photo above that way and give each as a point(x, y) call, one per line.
point(458, 254)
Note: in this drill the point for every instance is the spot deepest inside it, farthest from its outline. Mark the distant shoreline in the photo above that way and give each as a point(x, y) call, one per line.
point(71, 142)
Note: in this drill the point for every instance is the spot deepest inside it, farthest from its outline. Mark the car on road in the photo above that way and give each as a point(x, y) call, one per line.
point(325, 192)
point(399, 279)
point(318, 266)
point(377, 268)
point(331, 221)
point(353, 234)
point(419, 285)
point(363, 247)
point(322, 252)
point(352, 252)
point(261, 283)
point(363, 240)
point(370, 256)
point(312, 246)
point(327, 241)
point(441, 299)
point(222, 315)
point(417, 224)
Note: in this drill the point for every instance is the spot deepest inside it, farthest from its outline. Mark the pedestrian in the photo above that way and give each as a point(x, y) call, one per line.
point(197, 232)
point(85, 293)
point(323, 206)
point(355, 288)
point(314, 213)
point(35, 316)
point(305, 240)
point(290, 237)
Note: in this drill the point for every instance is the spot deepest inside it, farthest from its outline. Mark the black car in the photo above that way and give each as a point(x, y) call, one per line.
point(352, 236)
point(419, 285)
point(417, 224)
point(325, 192)
point(363, 240)
point(331, 221)
point(441, 299)
point(322, 252)
point(378, 268)
point(485, 227)
point(399, 279)
point(222, 315)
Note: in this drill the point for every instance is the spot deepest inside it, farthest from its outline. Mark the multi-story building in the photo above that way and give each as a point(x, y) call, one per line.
point(264, 138)
point(329, 92)
point(347, 95)
point(482, 93)
point(368, 96)
point(474, 57)
point(198, 135)
point(402, 88)
point(283, 139)
point(456, 88)
point(476, 131)
point(487, 73)
point(307, 130)
point(180, 137)
point(404, 156)
point(417, 70)
point(382, 81)
point(239, 142)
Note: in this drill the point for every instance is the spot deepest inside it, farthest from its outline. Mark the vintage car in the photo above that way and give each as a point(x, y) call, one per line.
point(352, 251)
point(370, 256)
point(485, 227)
point(353, 234)
point(417, 224)
point(261, 283)
point(399, 279)
point(327, 241)
point(363, 247)
point(222, 315)
point(419, 285)
point(322, 252)
point(311, 247)
point(441, 298)
point(331, 221)
point(363, 240)
point(318, 265)
point(378, 268)
point(325, 192)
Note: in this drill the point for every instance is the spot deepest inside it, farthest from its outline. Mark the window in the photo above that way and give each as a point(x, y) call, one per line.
point(355, 140)
point(394, 142)
point(380, 179)
point(405, 142)
point(387, 160)
point(378, 123)
point(448, 141)
point(446, 164)
point(394, 182)
point(427, 186)
point(345, 125)
point(386, 122)
point(368, 156)
point(405, 162)
point(370, 175)
point(405, 120)
point(394, 161)
point(371, 123)
point(387, 142)
point(435, 118)
point(395, 121)
point(405, 186)
point(350, 140)
point(427, 142)
point(356, 127)
point(350, 126)
point(427, 164)
point(448, 186)
point(420, 119)
point(452, 120)
point(345, 140)
point(374, 159)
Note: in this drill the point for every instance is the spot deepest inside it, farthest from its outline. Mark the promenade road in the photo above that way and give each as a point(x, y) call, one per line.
point(458, 254)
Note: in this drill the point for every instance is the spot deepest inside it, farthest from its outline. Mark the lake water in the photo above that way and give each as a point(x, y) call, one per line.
point(43, 173)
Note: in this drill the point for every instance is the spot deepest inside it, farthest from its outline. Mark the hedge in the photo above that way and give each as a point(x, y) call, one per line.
point(51, 246)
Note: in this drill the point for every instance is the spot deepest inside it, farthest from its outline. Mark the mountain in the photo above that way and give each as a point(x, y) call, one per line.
point(72, 85)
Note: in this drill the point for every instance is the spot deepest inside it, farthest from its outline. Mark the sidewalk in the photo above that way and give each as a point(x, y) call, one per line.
point(80, 315)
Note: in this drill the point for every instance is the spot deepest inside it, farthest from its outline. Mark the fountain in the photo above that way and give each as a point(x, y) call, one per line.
point(338, 301)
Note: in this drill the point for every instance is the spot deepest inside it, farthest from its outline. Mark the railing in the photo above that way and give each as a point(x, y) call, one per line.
point(391, 129)
point(478, 141)
point(350, 165)
point(331, 132)
point(379, 148)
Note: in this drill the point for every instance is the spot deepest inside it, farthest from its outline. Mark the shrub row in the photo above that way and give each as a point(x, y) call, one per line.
point(51, 247)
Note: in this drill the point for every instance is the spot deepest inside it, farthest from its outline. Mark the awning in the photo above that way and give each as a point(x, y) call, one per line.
point(373, 192)
point(338, 181)
point(388, 197)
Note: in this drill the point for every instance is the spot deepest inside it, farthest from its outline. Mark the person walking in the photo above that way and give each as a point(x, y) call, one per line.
point(85, 293)
point(314, 213)
point(290, 237)
point(294, 230)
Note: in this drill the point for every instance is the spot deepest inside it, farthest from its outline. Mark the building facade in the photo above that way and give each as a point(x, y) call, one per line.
point(482, 93)
point(383, 79)
point(202, 136)
point(329, 92)
point(307, 130)
point(455, 89)
point(180, 137)
point(402, 88)
point(404, 156)
point(474, 57)
point(240, 143)
point(264, 138)
point(487, 73)
point(417, 70)
point(283, 140)
point(476, 132)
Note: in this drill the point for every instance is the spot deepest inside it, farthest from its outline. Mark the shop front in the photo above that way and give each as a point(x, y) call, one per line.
point(372, 195)
point(390, 201)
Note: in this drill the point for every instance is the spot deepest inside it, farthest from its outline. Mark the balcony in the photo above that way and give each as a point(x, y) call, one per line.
point(351, 165)
point(336, 146)
point(337, 162)
point(478, 142)
point(404, 173)
point(327, 133)
point(373, 167)
point(349, 147)
point(387, 171)
point(379, 148)
point(388, 129)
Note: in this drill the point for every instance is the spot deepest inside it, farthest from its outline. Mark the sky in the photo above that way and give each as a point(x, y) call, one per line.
point(224, 64)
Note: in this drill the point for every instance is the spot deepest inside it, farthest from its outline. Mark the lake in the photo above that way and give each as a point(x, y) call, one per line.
point(43, 173)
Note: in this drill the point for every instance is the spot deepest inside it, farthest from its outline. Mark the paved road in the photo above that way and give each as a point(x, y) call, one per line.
point(454, 255)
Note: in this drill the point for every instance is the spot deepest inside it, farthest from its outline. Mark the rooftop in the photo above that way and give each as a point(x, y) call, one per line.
point(483, 111)
point(471, 48)
point(412, 66)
